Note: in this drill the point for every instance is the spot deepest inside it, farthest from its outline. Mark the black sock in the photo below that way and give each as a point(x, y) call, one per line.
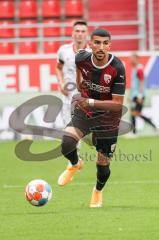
point(69, 149)
point(133, 121)
point(148, 120)
point(72, 157)
point(103, 173)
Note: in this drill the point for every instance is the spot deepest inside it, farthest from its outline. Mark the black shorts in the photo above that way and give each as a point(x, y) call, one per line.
point(137, 106)
point(103, 139)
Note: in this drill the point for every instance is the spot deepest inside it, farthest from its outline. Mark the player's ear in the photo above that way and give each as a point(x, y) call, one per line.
point(73, 32)
point(110, 45)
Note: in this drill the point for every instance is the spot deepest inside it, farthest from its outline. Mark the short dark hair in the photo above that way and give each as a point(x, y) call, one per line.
point(134, 54)
point(80, 22)
point(101, 32)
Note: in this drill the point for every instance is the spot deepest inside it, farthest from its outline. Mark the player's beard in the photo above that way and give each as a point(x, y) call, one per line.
point(98, 58)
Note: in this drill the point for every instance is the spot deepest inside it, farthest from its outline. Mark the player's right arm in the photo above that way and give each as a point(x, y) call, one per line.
point(80, 57)
point(59, 73)
point(78, 79)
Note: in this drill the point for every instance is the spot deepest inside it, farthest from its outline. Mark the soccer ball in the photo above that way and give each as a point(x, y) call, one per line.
point(38, 192)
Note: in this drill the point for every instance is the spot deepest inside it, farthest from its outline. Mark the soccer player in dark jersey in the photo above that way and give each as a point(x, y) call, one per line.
point(101, 82)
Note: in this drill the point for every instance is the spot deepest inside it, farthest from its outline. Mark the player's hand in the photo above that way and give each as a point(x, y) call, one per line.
point(83, 103)
point(64, 91)
point(76, 98)
point(80, 102)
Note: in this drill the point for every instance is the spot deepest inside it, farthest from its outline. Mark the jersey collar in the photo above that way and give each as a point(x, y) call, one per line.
point(105, 65)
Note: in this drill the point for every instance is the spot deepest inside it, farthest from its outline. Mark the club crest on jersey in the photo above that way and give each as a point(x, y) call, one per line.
point(107, 78)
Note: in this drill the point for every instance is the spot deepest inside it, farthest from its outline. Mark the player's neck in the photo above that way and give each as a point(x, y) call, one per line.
point(78, 46)
point(102, 62)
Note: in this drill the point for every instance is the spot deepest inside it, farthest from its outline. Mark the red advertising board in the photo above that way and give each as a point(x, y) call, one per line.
point(27, 75)
point(36, 74)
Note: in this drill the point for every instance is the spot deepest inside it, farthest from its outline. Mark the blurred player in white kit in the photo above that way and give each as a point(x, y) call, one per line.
point(66, 69)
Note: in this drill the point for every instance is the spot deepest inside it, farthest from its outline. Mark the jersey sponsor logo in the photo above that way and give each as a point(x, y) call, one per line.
point(122, 76)
point(85, 71)
point(107, 78)
point(96, 87)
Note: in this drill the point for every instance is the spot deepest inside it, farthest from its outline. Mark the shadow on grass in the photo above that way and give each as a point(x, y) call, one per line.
point(84, 208)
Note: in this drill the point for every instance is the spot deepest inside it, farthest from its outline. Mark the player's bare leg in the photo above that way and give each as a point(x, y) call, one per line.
point(103, 173)
point(69, 150)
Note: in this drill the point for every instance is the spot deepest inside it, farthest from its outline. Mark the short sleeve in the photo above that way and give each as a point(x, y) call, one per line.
point(119, 81)
point(140, 74)
point(81, 56)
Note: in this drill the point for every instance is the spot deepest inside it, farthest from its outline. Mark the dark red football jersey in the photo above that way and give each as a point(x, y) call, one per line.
point(101, 82)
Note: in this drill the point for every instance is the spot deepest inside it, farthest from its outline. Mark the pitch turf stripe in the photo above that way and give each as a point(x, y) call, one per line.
point(122, 182)
point(6, 186)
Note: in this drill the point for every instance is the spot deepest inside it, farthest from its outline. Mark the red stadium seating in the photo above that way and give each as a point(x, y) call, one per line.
point(125, 45)
point(6, 32)
point(51, 31)
point(114, 11)
point(7, 9)
point(28, 32)
point(28, 9)
point(51, 8)
point(74, 8)
point(51, 47)
point(6, 48)
point(28, 47)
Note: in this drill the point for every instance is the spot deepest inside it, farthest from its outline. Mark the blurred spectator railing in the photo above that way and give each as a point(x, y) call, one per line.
point(61, 36)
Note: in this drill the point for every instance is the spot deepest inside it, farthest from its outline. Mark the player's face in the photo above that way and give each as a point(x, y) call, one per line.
point(100, 47)
point(134, 60)
point(80, 33)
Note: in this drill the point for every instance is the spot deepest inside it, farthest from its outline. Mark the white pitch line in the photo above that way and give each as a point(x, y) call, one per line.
point(12, 186)
point(6, 186)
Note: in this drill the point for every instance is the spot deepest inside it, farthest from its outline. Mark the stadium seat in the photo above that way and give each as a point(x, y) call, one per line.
point(28, 47)
point(6, 48)
point(74, 8)
point(7, 9)
point(6, 32)
point(28, 32)
point(51, 47)
point(51, 31)
point(51, 8)
point(67, 42)
point(28, 9)
point(124, 45)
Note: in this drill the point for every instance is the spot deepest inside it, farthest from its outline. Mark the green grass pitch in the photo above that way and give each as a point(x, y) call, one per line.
point(131, 198)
